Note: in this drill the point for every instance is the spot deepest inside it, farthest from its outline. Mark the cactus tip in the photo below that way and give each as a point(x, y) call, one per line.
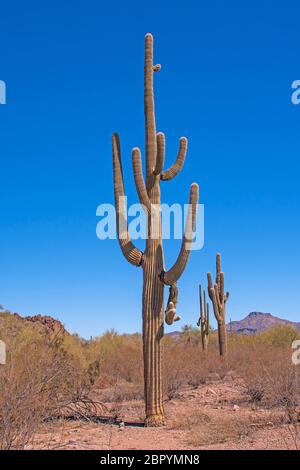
point(148, 36)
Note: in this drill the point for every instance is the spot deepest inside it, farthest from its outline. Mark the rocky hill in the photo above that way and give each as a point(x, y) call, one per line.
point(256, 322)
point(49, 323)
point(44, 323)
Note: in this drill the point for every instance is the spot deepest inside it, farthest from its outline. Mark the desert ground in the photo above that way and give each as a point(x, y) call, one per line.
point(59, 391)
point(216, 415)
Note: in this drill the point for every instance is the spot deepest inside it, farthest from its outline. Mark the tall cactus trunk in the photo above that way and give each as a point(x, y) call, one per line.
point(153, 330)
point(152, 260)
point(153, 313)
point(222, 339)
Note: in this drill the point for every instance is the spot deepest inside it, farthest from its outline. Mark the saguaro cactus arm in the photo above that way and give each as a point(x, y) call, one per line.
point(207, 317)
point(209, 282)
point(161, 151)
point(131, 253)
point(172, 275)
point(218, 268)
point(139, 179)
point(203, 321)
point(173, 171)
point(170, 314)
point(213, 297)
point(222, 284)
point(206, 314)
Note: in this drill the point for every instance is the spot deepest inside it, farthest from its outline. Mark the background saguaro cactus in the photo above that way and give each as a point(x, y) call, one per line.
point(203, 321)
point(219, 299)
point(152, 260)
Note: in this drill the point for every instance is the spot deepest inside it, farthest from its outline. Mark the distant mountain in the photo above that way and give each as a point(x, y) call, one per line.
point(174, 334)
point(256, 322)
point(252, 324)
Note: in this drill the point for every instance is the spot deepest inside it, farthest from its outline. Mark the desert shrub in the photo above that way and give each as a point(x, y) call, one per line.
point(269, 376)
point(76, 347)
point(205, 429)
point(119, 358)
point(123, 392)
point(186, 365)
point(264, 363)
point(40, 380)
point(280, 335)
point(190, 334)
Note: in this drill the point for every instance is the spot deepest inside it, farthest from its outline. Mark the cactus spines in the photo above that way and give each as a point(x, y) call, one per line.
point(219, 299)
point(203, 321)
point(155, 277)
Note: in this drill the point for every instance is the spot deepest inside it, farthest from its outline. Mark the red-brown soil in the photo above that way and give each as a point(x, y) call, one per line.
point(216, 415)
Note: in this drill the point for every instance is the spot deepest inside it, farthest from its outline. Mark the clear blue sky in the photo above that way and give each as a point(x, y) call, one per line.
point(74, 74)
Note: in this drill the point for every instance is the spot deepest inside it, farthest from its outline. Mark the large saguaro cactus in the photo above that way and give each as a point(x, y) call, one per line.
point(219, 299)
point(203, 321)
point(155, 277)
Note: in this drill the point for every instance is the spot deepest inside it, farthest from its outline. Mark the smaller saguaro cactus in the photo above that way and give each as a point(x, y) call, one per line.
point(203, 321)
point(219, 299)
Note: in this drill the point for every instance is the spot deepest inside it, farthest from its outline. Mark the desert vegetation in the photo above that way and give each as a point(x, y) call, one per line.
point(51, 376)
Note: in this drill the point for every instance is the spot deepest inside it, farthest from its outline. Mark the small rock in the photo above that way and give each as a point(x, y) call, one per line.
point(121, 426)
point(236, 408)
